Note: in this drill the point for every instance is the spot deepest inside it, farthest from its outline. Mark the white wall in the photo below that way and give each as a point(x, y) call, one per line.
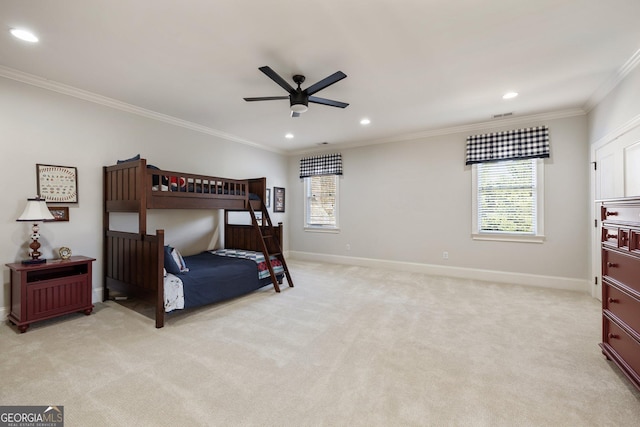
point(42, 126)
point(408, 202)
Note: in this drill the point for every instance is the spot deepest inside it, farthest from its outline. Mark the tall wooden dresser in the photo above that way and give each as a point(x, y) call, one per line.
point(621, 284)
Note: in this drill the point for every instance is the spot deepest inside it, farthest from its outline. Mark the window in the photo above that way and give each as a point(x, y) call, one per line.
point(321, 202)
point(508, 200)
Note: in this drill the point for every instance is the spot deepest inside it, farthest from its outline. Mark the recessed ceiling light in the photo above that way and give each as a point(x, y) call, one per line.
point(509, 95)
point(289, 136)
point(365, 121)
point(25, 35)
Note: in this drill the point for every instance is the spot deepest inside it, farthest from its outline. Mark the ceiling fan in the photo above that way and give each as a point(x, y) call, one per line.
point(298, 98)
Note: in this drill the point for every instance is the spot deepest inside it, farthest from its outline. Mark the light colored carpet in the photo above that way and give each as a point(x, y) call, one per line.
point(348, 346)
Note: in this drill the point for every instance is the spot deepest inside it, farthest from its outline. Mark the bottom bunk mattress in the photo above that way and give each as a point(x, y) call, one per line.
point(216, 277)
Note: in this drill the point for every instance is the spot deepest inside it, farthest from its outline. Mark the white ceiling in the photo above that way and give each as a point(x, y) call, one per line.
point(413, 66)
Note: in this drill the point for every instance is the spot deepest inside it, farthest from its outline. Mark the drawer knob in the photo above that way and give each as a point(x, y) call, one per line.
point(613, 336)
point(612, 213)
point(611, 265)
point(612, 236)
point(613, 300)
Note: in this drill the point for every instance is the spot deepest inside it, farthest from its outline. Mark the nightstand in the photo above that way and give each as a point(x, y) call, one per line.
point(44, 291)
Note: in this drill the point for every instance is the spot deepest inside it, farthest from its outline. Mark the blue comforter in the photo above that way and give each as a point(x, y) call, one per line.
point(212, 278)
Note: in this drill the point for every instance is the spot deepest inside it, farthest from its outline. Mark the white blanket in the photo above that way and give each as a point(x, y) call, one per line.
point(173, 293)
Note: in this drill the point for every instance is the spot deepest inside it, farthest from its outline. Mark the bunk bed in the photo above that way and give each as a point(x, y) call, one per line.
point(134, 262)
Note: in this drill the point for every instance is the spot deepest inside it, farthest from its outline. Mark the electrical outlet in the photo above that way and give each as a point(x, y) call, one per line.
point(445, 255)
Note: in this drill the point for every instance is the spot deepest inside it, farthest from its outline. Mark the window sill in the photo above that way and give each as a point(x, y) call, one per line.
point(500, 237)
point(322, 229)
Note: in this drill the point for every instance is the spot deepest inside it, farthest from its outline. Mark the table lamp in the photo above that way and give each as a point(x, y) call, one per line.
point(35, 211)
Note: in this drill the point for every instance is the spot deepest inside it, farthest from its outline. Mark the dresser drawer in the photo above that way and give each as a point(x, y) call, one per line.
point(623, 344)
point(622, 305)
point(634, 241)
point(622, 268)
point(620, 213)
point(610, 235)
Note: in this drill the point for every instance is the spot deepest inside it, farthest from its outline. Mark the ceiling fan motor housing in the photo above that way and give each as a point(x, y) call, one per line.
point(299, 101)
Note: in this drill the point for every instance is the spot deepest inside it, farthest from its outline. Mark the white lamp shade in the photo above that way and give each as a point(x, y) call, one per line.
point(36, 210)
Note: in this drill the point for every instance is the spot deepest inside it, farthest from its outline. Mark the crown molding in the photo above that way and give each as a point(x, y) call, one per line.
point(473, 127)
point(612, 82)
point(51, 85)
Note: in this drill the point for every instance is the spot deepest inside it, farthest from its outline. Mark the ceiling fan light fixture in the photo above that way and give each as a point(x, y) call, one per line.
point(299, 108)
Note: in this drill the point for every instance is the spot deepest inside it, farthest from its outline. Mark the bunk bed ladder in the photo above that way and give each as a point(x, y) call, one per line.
point(269, 241)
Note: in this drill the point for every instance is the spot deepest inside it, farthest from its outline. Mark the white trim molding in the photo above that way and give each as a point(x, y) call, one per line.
point(612, 82)
point(97, 294)
point(551, 282)
point(122, 106)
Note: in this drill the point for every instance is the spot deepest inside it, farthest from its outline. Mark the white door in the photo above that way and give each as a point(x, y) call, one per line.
point(617, 174)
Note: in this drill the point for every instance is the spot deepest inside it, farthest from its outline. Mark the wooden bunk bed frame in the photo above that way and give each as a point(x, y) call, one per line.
point(133, 262)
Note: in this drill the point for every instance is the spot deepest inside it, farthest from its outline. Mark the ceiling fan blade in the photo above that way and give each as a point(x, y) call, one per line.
point(294, 114)
point(328, 81)
point(325, 101)
point(266, 98)
point(276, 78)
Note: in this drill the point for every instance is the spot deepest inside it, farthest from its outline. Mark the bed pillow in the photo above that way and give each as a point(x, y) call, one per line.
point(169, 263)
point(177, 257)
point(133, 159)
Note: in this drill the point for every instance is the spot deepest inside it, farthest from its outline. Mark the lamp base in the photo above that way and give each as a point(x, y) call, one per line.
point(34, 261)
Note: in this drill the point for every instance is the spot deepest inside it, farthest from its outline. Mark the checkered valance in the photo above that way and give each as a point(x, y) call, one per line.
point(329, 164)
point(512, 144)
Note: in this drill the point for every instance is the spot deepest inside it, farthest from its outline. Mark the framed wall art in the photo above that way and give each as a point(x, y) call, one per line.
point(278, 199)
point(57, 184)
point(60, 213)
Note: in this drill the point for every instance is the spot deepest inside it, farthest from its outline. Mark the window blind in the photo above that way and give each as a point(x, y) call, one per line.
point(507, 197)
point(321, 208)
point(328, 164)
point(524, 143)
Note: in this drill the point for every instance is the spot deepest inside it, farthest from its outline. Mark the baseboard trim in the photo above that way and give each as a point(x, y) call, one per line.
point(97, 294)
point(551, 282)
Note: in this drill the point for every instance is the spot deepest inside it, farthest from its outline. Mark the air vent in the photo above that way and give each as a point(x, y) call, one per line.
point(323, 143)
point(497, 116)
